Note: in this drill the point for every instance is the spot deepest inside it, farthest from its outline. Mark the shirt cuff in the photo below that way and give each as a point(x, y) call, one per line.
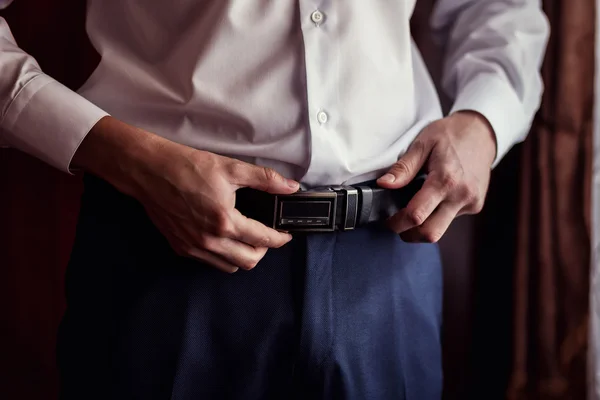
point(498, 102)
point(49, 121)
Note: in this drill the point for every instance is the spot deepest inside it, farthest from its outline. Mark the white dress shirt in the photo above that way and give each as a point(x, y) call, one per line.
point(324, 91)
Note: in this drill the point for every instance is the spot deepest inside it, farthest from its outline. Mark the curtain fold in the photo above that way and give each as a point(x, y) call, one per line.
point(594, 334)
point(551, 288)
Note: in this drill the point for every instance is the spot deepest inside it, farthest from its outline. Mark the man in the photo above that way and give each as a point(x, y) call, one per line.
point(283, 97)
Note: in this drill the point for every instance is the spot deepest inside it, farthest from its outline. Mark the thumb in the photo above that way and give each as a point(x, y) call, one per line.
point(407, 167)
point(262, 178)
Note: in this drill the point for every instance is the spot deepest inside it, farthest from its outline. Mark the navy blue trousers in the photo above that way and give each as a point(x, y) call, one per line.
point(353, 315)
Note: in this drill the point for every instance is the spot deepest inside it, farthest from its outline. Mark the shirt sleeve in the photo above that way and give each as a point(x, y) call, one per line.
point(38, 115)
point(494, 50)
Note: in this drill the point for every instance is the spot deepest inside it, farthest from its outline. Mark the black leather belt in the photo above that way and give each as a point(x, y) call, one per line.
point(326, 209)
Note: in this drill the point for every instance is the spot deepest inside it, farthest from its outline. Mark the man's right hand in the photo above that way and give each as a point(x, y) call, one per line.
point(189, 194)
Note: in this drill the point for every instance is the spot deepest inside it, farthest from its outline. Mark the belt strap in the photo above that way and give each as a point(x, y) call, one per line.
point(326, 209)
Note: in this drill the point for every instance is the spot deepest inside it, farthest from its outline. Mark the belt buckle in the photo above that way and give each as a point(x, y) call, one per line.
point(308, 211)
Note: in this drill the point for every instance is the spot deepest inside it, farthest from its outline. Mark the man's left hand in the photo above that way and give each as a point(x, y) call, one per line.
point(457, 153)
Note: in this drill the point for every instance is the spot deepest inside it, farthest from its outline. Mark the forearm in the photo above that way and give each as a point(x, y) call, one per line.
point(108, 147)
point(122, 154)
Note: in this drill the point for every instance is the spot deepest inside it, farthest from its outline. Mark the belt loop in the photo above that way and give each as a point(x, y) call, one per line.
point(351, 208)
point(365, 204)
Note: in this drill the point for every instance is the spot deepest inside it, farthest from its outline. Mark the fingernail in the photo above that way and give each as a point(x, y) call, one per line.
point(388, 178)
point(293, 184)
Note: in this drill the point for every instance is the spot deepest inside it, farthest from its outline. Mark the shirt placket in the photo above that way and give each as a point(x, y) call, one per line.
point(318, 22)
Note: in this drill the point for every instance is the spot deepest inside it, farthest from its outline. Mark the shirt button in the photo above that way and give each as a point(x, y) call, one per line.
point(322, 117)
point(317, 17)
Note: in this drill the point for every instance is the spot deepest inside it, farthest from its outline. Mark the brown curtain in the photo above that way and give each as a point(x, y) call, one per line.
point(553, 234)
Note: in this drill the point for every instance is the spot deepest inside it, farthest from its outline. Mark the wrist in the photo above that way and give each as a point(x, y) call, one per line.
point(477, 123)
point(115, 152)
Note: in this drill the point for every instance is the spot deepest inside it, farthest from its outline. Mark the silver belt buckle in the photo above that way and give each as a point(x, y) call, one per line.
point(316, 210)
point(307, 211)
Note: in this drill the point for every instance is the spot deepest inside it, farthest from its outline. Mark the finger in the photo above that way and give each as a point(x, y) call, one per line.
point(419, 208)
point(256, 234)
point(232, 251)
point(226, 248)
point(179, 242)
point(432, 230)
point(213, 259)
point(260, 178)
point(407, 167)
